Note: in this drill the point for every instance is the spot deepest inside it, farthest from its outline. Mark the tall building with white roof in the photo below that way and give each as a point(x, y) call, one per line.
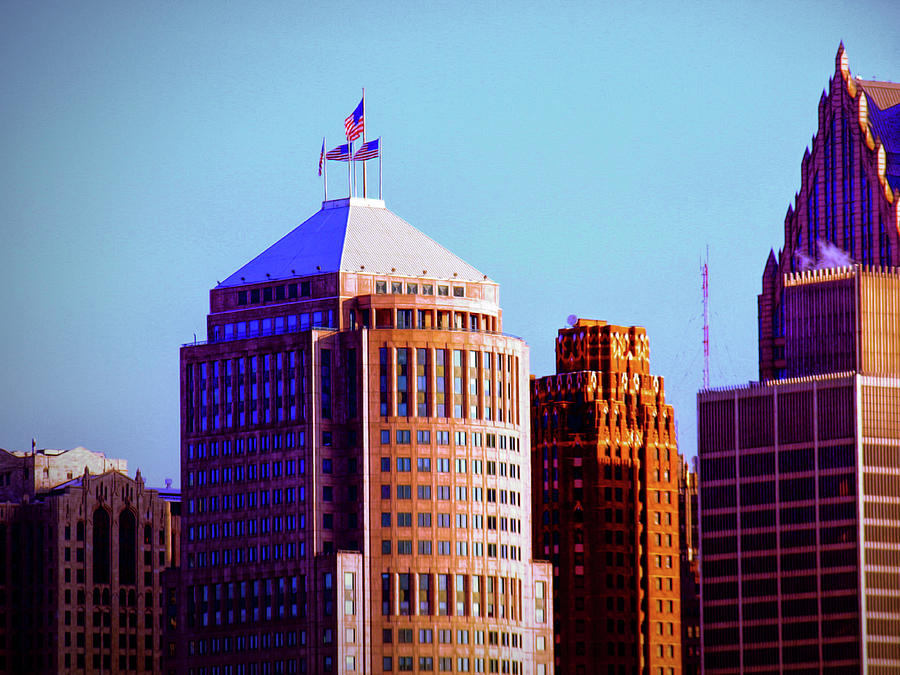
point(354, 464)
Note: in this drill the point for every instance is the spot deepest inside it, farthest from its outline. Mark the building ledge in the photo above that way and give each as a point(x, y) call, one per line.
point(353, 201)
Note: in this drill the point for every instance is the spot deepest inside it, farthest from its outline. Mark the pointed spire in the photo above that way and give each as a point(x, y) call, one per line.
point(771, 268)
point(841, 64)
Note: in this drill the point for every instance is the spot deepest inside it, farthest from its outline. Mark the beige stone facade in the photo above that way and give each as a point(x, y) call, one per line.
point(80, 565)
point(354, 464)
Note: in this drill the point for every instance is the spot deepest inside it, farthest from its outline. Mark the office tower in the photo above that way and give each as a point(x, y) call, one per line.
point(82, 547)
point(799, 473)
point(689, 540)
point(799, 483)
point(848, 207)
point(606, 470)
point(354, 464)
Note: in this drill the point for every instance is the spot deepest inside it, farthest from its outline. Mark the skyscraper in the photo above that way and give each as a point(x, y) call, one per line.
point(82, 550)
point(606, 472)
point(847, 209)
point(799, 479)
point(355, 480)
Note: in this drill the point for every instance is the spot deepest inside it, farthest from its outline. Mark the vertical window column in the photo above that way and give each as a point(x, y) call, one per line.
point(292, 385)
point(487, 360)
point(424, 593)
point(279, 387)
point(204, 422)
point(190, 396)
point(352, 386)
point(402, 381)
point(254, 391)
point(325, 366)
point(217, 367)
point(229, 394)
point(267, 388)
point(422, 389)
point(383, 381)
point(440, 382)
point(473, 385)
point(457, 383)
point(304, 385)
point(242, 394)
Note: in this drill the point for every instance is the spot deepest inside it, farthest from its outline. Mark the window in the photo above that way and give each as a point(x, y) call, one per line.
point(404, 464)
point(459, 292)
point(403, 436)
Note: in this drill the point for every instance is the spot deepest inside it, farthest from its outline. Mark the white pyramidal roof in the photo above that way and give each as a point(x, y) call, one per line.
point(354, 235)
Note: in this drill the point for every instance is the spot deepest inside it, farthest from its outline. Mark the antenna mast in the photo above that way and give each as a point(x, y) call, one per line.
point(704, 275)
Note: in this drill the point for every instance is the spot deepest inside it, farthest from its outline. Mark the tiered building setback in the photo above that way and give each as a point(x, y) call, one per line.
point(847, 210)
point(354, 464)
point(606, 471)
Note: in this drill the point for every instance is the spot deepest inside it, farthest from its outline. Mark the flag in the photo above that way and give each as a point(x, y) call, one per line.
point(322, 156)
point(341, 153)
point(368, 150)
point(355, 123)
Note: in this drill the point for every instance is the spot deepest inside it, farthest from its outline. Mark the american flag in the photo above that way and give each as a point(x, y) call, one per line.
point(322, 156)
point(368, 150)
point(355, 123)
point(341, 153)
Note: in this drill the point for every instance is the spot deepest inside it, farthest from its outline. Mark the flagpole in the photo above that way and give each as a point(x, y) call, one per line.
point(364, 138)
point(325, 168)
point(380, 154)
point(350, 166)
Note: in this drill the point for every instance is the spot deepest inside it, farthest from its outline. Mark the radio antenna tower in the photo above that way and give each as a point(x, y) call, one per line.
point(704, 275)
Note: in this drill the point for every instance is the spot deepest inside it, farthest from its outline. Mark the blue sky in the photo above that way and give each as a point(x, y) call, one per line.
point(584, 155)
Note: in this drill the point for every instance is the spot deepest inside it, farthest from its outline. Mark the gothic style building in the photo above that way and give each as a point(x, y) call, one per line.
point(848, 208)
point(83, 548)
point(606, 472)
point(800, 475)
point(354, 464)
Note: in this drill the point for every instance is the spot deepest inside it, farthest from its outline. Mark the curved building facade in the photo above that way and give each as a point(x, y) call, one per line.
point(355, 438)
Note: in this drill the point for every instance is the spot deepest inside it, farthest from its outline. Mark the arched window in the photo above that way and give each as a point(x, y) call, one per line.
point(127, 548)
point(101, 538)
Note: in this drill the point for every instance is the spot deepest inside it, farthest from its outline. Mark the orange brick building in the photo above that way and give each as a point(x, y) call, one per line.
point(354, 464)
point(605, 468)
